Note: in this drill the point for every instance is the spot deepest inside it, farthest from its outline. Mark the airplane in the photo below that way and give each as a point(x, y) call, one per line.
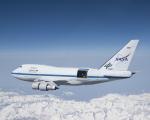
point(45, 78)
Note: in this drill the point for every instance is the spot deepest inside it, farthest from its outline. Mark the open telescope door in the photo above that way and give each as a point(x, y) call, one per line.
point(82, 73)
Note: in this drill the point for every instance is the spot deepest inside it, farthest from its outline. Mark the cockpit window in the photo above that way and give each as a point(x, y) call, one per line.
point(20, 66)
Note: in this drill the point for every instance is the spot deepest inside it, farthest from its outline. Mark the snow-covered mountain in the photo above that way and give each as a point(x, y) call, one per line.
point(15, 106)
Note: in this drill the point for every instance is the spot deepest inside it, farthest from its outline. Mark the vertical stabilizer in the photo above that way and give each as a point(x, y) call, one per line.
point(122, 59)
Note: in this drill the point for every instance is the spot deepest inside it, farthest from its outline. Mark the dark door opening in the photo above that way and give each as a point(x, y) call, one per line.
point(82, 73)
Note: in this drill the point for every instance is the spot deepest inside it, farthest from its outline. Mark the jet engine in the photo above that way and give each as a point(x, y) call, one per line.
point(35, 85)
point(44, 86)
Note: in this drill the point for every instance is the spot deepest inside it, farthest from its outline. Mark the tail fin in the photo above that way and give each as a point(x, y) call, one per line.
point(122, 59)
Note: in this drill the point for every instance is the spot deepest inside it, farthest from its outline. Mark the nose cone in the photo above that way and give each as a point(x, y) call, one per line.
point(14, 72)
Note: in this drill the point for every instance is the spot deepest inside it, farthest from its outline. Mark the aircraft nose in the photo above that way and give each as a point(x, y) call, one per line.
point(14, 71)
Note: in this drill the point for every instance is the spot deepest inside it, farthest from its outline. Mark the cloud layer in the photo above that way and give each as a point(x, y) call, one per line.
point(14, 106)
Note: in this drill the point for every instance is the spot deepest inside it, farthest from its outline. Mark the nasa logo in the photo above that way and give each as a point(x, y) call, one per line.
point(108, 65)
point(122, 58)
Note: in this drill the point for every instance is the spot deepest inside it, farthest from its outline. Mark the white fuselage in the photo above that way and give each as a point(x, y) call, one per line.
point(61, 75)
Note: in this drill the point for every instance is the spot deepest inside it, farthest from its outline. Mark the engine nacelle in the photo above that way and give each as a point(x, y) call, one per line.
point(35, 85)
point(44, 86)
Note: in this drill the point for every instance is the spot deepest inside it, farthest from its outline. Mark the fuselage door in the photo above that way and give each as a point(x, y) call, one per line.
point(82, 73)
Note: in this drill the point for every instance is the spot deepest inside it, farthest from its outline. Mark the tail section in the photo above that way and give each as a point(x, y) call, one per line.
point(121, 60)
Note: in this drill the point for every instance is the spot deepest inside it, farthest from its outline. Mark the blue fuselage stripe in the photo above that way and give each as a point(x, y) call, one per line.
point(54, 75)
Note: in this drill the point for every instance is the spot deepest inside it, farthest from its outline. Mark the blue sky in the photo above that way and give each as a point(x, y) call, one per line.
point(74, 33)
point(50, 25)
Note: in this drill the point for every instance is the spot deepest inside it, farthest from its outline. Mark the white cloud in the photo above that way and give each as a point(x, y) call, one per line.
point(14, 106)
